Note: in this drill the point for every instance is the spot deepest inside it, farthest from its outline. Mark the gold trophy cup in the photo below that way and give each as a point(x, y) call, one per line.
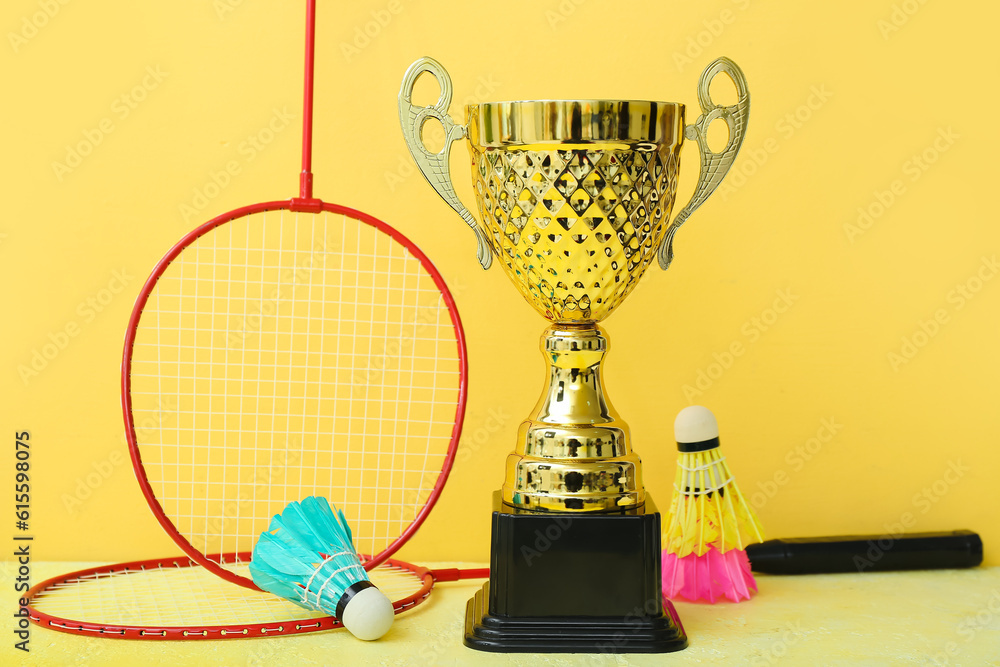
point(574, 199)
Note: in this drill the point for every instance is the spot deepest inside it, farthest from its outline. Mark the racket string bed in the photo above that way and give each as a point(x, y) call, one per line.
point(175, 598)
point(271, 381)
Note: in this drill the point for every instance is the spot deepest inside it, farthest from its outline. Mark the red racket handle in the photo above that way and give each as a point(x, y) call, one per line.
point(454, 573)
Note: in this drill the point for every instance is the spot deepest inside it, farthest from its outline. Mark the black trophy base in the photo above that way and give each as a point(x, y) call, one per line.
point(569, 634)
point(574, 583)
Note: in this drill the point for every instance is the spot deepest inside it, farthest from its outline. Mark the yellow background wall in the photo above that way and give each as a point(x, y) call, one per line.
point(870, 402)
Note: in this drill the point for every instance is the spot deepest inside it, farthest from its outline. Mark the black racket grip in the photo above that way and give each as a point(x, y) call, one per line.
point(867, 553)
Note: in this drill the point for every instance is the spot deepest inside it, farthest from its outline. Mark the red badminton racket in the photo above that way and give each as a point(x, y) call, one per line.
point(288, 349)
point(174, 598)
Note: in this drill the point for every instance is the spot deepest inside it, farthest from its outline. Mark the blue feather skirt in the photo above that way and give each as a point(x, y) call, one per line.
point(307, 556)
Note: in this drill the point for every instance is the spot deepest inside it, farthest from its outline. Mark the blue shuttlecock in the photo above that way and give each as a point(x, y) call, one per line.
point(307, 556)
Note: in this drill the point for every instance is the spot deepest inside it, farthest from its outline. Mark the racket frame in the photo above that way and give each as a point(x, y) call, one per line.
point(311, 206)
point(194, 632)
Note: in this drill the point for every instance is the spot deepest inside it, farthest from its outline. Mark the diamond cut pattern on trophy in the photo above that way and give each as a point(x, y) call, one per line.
point(575, 228)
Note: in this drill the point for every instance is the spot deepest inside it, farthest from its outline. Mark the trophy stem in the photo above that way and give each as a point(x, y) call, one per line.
point(573, 451)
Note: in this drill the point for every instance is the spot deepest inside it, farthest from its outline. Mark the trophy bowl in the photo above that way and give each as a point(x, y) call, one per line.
point(574, 199)
point(574, 196)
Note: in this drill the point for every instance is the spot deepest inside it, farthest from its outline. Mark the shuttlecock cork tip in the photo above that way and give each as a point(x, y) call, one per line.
point(368, 615)
point(695, 424)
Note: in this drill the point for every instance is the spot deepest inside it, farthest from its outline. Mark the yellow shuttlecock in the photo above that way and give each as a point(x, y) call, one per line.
point(707, 508)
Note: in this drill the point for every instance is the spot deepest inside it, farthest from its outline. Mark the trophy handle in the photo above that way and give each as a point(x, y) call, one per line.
point(434, 166)
point(714, 166)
